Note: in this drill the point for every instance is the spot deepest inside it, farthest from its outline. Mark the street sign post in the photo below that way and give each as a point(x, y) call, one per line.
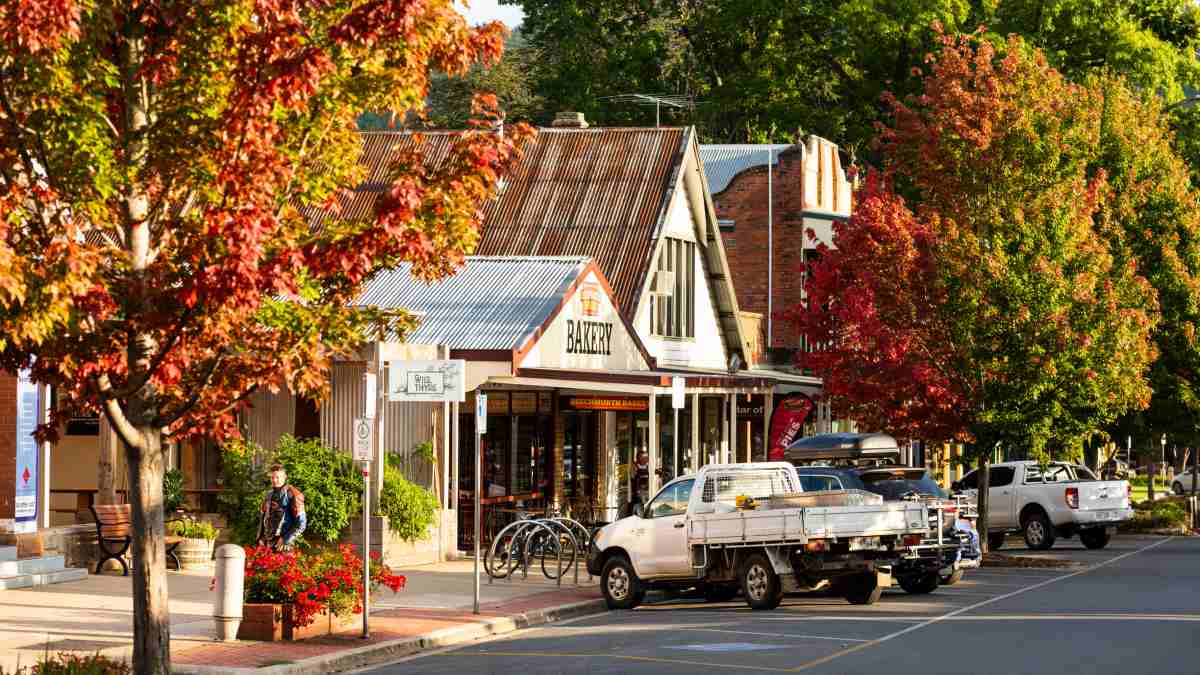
point(363, 452)
point(480, 429)
point(678, 400)
point(372, 395)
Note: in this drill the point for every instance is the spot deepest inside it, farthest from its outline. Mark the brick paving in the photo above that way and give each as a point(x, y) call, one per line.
point(386, 625)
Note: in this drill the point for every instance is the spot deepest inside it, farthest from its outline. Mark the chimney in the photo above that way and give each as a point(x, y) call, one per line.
point(569, 119)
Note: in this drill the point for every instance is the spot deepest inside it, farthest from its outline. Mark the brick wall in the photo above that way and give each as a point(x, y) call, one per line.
point(8, 445)
point(744, 201)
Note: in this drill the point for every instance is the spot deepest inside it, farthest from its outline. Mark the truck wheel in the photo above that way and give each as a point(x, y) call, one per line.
point(760, 584)
point(919, 584)
point(952, 578)
point(1039, 532)
point(1094, 538)
point(620, 585)
point(995, 541)
point(1177, 488)
point(862, 589)
point(720, 592)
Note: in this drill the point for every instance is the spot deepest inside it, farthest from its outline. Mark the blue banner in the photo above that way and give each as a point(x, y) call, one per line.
point(27, 455)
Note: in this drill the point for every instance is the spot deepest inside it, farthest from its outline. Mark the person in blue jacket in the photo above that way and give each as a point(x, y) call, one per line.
point(282, 519)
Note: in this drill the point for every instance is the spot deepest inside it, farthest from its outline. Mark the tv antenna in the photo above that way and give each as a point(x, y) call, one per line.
point(656, 100)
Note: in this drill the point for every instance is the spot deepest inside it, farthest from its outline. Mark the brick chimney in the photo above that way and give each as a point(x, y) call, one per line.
point(569, 119)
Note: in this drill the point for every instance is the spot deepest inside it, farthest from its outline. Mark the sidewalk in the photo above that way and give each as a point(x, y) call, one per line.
point(433, 610)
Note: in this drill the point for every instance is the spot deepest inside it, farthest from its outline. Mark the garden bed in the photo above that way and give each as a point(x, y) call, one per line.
point(1008, 560)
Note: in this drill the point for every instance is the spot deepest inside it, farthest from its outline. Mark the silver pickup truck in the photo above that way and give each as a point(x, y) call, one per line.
point(1046, 502)
point(750, 527)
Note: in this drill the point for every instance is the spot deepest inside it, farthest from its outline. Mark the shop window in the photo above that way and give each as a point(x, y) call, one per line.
point(672, 302)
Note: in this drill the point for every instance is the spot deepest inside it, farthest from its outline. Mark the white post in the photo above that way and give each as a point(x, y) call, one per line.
point(480, 429)
point(43, 418)
point(768, 406)
point(675, 471)
point(733, 428)
point(652, 437)
point(696, 445)
point(366, 549)
point(723, 456)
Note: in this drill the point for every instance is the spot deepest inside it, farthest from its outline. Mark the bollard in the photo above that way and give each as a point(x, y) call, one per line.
point(230, 578)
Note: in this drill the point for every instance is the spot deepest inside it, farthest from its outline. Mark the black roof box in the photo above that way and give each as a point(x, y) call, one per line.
point(842, 446)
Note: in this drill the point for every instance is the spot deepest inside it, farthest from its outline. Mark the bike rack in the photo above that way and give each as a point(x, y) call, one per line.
point(519, 536)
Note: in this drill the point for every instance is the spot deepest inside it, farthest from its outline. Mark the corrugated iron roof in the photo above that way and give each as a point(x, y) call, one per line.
point(722, 163)
point(599, 193)
point(491, 303)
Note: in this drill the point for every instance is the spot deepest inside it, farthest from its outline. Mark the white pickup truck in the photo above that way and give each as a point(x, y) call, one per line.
point(751, 527)
point(1051, 501)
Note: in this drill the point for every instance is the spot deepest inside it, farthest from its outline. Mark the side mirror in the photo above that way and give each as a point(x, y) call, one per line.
point(639, 511)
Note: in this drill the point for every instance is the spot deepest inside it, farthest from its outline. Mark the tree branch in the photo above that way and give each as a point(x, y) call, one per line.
point(116, 416)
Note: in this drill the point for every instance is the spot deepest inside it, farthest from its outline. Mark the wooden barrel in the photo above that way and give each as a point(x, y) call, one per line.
point(194, 553)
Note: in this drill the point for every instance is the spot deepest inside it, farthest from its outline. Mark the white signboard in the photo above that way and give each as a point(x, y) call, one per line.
point(480, 413)
point(363, 433)
point(427, 380)
point(678, 399)
point(372, 395)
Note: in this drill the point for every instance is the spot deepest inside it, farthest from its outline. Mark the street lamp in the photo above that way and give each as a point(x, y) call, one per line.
point(1163, 458)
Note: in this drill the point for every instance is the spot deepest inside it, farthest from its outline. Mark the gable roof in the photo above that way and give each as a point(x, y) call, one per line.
point(491, 303)
point(722, 163)
point(601, 193)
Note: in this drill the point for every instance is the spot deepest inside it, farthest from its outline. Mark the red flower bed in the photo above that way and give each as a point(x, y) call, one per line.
point(320, 580)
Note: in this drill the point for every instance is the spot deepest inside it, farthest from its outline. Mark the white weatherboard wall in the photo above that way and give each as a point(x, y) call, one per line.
point(601, 339)
point(706, 349)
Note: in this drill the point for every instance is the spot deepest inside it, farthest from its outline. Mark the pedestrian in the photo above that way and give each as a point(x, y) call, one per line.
point(281, 518)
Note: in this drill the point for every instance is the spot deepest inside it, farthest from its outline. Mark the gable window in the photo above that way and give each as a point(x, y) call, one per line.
point(673, 290)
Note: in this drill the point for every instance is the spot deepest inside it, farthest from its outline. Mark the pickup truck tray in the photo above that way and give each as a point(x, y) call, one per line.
point(798, 525)
point(825, 498)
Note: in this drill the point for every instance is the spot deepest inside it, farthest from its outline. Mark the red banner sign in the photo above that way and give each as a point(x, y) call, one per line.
point(787, 422)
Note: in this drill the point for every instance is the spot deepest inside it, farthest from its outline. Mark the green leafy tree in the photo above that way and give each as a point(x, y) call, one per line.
point(971, 294)
point(172, 234)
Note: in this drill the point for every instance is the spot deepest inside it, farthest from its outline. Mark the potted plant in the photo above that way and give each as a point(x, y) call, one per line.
point(196, 548)
point(294, 595)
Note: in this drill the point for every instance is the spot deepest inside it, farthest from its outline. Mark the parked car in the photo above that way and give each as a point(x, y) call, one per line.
point(752, 525)
point(953, 543)
point(1051, 501)
point(953, 518)
point(1182, 483)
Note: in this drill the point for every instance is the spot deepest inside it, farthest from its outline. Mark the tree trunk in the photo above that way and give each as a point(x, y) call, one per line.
point(151, 616)
point(984, 485)
point(106, 483)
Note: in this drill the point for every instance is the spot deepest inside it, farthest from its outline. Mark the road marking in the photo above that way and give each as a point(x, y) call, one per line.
point(939, 619)
point(1078, 617)
point(786, 635)
point(707, 665)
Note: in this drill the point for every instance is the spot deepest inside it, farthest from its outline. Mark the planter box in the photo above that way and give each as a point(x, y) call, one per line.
point(194, 553)
point(273, 623)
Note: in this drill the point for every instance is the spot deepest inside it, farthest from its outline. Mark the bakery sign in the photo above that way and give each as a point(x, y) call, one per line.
point(587, 334)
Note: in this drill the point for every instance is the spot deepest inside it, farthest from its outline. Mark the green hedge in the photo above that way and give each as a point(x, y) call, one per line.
point(332, 487)
point(1157, 515)
point(410, 508)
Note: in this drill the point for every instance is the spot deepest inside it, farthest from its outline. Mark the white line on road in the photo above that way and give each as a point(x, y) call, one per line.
point(943, 617)
point(786, 635)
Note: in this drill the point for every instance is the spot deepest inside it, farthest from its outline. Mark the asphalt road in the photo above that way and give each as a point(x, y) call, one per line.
point(1132, 608)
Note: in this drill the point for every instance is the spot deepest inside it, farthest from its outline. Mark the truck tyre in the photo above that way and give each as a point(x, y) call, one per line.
point(952, 578)
point(720, 592)
point(620, 585)
point(1177, 488)
point(760, 583)
point(862, 589)
point(919, 584)
point(1039, 532)
point(995, 541)
point(1094, 538)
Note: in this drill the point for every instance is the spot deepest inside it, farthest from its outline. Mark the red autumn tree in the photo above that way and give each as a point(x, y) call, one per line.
point(991, 309)
point(170, 238)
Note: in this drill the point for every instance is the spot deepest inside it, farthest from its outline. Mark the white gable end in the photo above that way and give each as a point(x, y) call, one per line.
point(586, 334)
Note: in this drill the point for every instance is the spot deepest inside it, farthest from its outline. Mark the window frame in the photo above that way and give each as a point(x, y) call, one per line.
point(674, 316)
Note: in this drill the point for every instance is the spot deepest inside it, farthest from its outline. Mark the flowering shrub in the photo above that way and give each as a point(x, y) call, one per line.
point(320, 580)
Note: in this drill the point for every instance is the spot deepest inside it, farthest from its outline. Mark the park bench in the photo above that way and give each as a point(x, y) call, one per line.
point(114, 534)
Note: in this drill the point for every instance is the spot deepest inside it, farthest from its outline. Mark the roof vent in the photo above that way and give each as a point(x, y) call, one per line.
point(569, 119)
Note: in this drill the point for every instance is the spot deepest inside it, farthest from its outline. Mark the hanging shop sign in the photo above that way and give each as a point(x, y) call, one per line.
point(427, 380)
point(605, 403)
